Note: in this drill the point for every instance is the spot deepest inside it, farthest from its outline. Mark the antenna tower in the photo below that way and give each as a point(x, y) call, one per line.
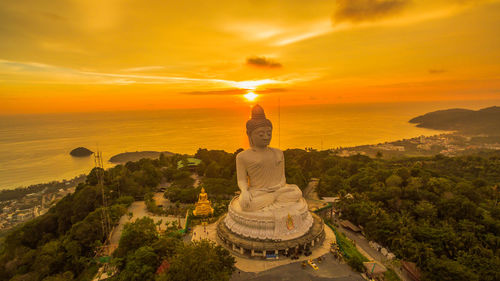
point(279, 123)
point(105, 219)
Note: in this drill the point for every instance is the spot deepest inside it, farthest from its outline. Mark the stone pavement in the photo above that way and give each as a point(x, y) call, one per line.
point(285, 269)
point(138, 209)
point(204, 232)
point(329, 269)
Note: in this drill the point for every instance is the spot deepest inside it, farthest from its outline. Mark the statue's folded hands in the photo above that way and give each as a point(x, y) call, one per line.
point(245, 199)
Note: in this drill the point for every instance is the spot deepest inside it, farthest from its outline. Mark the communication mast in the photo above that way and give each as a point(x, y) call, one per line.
point(105, 219)
point(279, 123)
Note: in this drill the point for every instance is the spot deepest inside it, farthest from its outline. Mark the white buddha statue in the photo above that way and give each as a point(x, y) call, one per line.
point(261, 169)
point(268, 207)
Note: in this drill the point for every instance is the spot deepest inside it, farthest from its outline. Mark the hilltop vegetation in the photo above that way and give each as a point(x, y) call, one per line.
point(440, 212)
point(125, 157)
point(483, 121)
point(61, 245)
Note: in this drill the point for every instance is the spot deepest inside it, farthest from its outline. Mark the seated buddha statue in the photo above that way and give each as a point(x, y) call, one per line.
point(268, 207)
point(261, 169)
point(203, 206)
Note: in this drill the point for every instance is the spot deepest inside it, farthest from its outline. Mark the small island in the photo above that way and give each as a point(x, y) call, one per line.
point(81, 152)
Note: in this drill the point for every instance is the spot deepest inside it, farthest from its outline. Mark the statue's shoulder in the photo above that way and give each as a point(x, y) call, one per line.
point(275, 149)
point(278, 152)
point(244, 154)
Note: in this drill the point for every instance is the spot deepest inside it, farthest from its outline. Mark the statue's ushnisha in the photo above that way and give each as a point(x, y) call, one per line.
point(268, 207)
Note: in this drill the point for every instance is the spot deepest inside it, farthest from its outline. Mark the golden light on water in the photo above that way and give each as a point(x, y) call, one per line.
point(251, 96)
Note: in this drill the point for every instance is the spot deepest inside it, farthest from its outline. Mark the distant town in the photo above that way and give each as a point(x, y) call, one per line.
point(22, 204)
point(448, 144)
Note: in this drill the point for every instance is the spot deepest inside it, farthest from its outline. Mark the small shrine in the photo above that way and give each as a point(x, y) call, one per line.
point(203, 207)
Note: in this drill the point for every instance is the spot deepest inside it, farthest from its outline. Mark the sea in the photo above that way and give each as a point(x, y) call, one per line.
point(34, 148)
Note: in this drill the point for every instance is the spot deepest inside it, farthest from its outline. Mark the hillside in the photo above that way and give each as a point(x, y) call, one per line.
point(135, 156)
point(440, 212)
point(483, 121)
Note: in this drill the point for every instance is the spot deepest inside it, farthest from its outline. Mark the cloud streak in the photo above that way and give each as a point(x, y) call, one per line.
point(227, 92)
point(366, 10)
point(50, 74)
point(325, 27)
point(235, 92)
point(436, 71)
point(143, 68)
point(54, 74)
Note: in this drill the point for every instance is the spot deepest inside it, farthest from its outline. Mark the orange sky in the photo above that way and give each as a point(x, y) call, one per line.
point(62, 55)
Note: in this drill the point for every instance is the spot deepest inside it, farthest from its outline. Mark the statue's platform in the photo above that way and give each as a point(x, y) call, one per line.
point(251, 247)
point(275, 222)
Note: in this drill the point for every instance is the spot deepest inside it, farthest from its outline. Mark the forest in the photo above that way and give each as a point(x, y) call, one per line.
point(62, 244)
point(440, 212)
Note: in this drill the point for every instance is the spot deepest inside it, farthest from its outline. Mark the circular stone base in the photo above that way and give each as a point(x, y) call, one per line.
point(255, 248)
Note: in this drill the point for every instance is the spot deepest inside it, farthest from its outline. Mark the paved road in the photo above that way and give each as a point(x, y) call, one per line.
point(310, 190)
point(329, 269)
point(362, 242)
point(196, 179)
point(138, 209)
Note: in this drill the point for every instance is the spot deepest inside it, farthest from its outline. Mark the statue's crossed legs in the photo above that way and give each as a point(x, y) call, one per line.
point(265, 200)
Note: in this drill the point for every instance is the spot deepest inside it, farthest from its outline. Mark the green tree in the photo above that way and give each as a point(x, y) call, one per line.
point(425, 210)
point(140, 265)
point(66, 276)
point(137, 234)
point(449, 270)
point(202, 261)
point(394, 180)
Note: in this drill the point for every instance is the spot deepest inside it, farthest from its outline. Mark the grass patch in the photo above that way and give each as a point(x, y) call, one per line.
point(351, 254)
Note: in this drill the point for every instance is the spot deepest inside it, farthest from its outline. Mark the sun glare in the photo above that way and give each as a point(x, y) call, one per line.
point(251, 96)
point(253, 84)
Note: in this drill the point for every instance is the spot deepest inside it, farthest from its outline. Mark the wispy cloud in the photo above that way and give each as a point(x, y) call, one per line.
point(165, 79)
point(436, 71)
point(325, 27)
point(74, 76)
point(307, 31)
point(143, 68)
point(255, 30)
point(366, 10)
point(227, 92)
point(236, 91)
point(62, 75)
point(270, 91)
point(350, 14)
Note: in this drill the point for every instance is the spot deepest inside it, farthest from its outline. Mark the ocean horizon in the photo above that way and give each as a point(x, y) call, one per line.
point(35, 148)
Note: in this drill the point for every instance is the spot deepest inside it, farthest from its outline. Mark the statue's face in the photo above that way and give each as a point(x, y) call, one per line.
point(261, 137)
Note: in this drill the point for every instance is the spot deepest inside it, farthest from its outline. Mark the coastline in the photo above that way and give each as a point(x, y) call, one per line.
point(41, 155)
point(447, 144)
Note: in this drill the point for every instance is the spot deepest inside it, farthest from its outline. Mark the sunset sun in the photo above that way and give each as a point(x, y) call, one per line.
point(251, 96)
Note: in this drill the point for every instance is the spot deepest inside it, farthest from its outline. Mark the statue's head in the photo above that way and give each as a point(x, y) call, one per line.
point(259, 128)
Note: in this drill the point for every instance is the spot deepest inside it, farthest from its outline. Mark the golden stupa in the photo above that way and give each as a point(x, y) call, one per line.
point(203, 207)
